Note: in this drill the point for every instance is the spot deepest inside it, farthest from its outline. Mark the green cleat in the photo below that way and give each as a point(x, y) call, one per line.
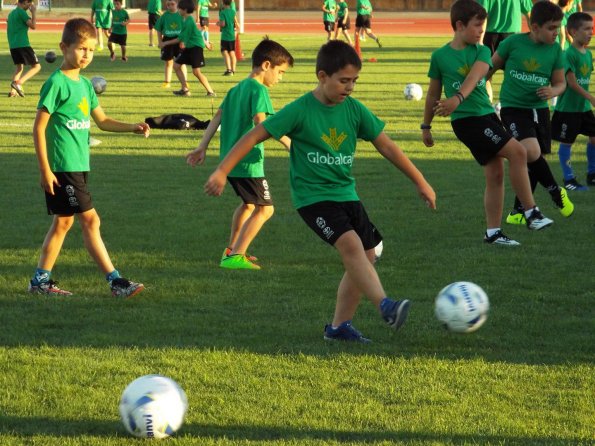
point(563, 203)
point(227, 252)
point(516, 218)
point(237, 261)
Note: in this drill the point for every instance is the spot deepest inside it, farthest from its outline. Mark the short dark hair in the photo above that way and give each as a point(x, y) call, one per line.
point(464, 11)
point(227, 2)
point(545, 11)
point(576, 20)
point(77, 30)
point(336, 55)
point(269, 50)
point(187, 5)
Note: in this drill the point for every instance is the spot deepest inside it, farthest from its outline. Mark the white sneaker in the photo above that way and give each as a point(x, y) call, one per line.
point(500, 239)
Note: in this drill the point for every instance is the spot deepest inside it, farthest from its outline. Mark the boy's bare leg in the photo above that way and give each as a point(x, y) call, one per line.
point(240, 215)
point(227, 60)
point(493, 199)
point(347, 36)
point(517, 170)
point(360, 278)
point(234, 62)
point(181, 76)
point(202, 79)
point(90, 223)
point(123, 48)
point(251, 227)
point(18, 71)
point(21, 78)
point(53, 241)
point(99, 38)
point(169, 66)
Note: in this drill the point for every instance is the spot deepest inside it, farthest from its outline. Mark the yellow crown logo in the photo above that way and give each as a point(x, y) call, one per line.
point(333, 140)
point(585, 69)
point(531, 64)
point(173, 25)
point(464, 70)
point(84, 106)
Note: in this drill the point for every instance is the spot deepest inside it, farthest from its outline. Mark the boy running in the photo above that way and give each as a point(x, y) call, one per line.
point(154, 12)
point(101, 10)
point(118, 32)
point(245, 106)
point(203, 17)
point(324, 126)
point(17, 30)
point(61, 137)
point(343, 20)
point(363, 20)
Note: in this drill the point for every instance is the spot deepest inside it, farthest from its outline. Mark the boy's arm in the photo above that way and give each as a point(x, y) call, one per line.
point(261, 117)
point(48, 179)
point(478, 71)
point(574, 85)
point(556, 87)
point(216, 182)
point(388, 149)
point(108, 124)
point(32, 22)
point(497, 64)
point(198, 155)
point(161, 43)
point(432, 98)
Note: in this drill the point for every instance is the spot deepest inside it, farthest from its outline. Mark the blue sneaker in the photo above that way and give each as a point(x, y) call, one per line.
point(394, 312)
point(344, 332)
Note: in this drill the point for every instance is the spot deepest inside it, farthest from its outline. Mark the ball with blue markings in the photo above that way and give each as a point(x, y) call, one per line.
point(153, 406)
point(462, 307)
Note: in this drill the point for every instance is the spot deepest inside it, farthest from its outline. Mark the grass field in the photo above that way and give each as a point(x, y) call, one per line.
point(247, 346)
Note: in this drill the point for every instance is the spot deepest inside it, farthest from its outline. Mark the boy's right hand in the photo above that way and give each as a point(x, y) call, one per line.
point(427, 138)
point(48, 180)
point(215, 184)
point(197, 156)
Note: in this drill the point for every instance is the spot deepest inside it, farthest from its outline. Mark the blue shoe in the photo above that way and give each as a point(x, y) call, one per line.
point(394, 312)
point(344, 332)
point(572, 184)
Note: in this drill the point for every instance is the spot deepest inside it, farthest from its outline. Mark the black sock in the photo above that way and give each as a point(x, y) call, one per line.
point(542, 173)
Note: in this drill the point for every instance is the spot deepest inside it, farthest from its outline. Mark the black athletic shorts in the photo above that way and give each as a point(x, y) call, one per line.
point(341, 24)
point(24, 56)
point(119, 39)
point(331, 219)
point(329, 26)
point(191, 56)
point(252, 190)
point(566, 126)
point(72, 197)
point(228, 45)
point(492, 40)
point(170, 52)
point(203, 21)
point(363, 21)
point(483, 135)
point(525, 123)
point(152, 19)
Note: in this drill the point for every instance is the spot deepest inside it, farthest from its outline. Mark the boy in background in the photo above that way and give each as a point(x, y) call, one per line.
point(168, 27)
point(192, 46)
point(461, 66)
point(343, 20)
point(533, 73)
point(203, 17)
point(118, 32)
point(329, 9)
point(101, 11)
point(17, 30)
point(363, 21)
point(61, 137)
point(245, 106)
point(573, 114)
point(226, 23)
point(324, 126)
point(154, 12)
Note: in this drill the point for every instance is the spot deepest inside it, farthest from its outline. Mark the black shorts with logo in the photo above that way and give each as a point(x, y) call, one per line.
point(72, 197)
point(24, 56)
point(525, 123)
point(252, 190)
point(363, 21)
point(483, 135)
point(331, 219)
point(153, 19)
point(228, 45)
point(203, 21)
point(493, 40)
point(328, 26)
point(566, 126)
point(342, 24)
point(170, 52)
point(191, 56)
point(118, 39)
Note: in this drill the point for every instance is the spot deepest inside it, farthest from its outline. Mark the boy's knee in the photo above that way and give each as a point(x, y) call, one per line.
point(63, 223)
point(89, 220)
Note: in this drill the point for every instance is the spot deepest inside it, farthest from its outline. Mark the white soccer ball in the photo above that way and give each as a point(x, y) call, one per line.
point(413, 92)
point(99, 84)
point(462, 307)
point(153, 406)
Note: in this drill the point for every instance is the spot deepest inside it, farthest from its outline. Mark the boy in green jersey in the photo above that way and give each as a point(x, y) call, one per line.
point(460, 67)
point(192, 46)
point(168, 27)
point(154, 12)
point(118, 32)
point(61, 136)
point(101, 11)
point(533, 73)
point(329, 10)
point(343, 20)
point(324, 126)
point(363, 21)
point(203, 17)
point(226, 23)
point(17, 28)
point(245, 106)
point(573, 114)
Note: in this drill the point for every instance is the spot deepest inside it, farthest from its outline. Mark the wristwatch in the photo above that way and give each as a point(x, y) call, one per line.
point(425, 127)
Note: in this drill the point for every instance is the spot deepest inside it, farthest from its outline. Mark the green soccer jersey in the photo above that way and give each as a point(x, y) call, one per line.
point(103, 9)
point(169, 24)
point(364, 7)
point(239, 107)
point(323, 142)
point(329, 5)
point(581, 64)
point(451, 67)
point(342, 8)
point(203, 8)
point(233, 6)
point(190, 34)
point(118, 19)
point(16, 28)
point(69, 104)
point(505, 16)
point(228, 31)
point(154, 6)
point(528, 65)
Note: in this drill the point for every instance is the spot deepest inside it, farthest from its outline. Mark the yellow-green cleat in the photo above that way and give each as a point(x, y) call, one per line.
point(516, 218)
point(564, 204)
point(237, 261)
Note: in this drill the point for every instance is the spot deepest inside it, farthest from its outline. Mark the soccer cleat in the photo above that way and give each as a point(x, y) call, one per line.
point(563, 202)
point(228, 73)
point(394, 312)
point(537, 221)
point(16, 87)
point(227, 252)
point(48, 288)
point(499, 238)
point(125, 288)
point(572, 184)
point(516, 218)
point(591, 179)
point(182, 92)
point(211, 94)
point(237, 261)
point(165, 85)
point(344, 332)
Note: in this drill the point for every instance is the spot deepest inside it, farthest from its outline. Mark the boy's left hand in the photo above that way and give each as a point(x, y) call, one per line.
point(215, 184)
point(209, 45)
point(427, 194)
point(545, 92)
point(142, 128)
point(445, 107)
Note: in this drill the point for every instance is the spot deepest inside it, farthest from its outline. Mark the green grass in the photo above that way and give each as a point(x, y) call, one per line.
point(247, 347)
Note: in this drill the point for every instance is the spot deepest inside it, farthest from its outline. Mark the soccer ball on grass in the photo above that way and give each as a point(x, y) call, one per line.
point(50, 57)
point(99, 84)
point(413, 92)
point(153, 406)
point(462, 307)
